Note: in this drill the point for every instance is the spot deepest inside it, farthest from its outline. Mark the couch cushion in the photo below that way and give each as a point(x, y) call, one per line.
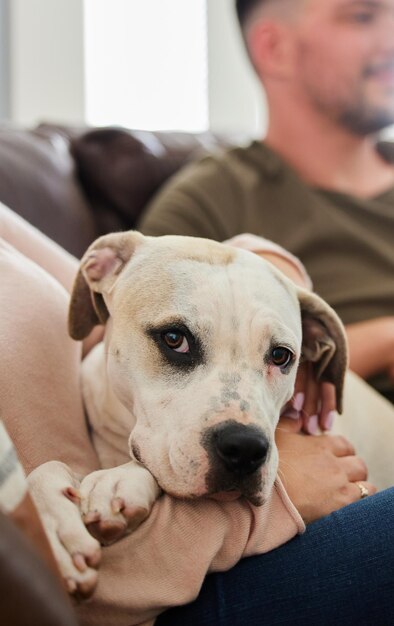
point(37, 181)
point(120, 170)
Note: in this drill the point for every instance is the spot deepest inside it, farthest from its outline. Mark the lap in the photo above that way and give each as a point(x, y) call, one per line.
point(339, 572)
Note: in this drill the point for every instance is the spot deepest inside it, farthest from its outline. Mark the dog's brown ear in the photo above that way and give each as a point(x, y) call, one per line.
point(323, 341)
point(99, 269)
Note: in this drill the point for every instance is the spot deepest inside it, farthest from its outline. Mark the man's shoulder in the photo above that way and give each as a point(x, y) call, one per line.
point(204, 198)
point(243, 164)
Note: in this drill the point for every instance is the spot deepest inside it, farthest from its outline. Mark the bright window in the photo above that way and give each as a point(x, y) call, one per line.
point(146, 64)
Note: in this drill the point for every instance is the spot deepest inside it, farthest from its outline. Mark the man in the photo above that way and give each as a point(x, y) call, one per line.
point(318, 184)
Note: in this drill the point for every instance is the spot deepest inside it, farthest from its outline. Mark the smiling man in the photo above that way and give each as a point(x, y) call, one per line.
point(320, 184)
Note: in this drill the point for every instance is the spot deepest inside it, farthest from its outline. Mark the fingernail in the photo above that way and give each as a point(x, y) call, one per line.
point(329, 421)
point(311, 425)
point(298, 401)
point(291, 414)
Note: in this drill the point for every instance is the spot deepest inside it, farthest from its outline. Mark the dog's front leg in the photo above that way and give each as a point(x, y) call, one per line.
point(55, 491)
point(115, 501)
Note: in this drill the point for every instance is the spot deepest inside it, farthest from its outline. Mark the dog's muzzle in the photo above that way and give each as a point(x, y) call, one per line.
point(236, 453)
point(241, 449)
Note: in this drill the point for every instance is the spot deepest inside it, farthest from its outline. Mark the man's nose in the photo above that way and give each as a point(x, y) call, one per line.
point(242, 449)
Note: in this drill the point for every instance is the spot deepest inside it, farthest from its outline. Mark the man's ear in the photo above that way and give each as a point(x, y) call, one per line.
point(323, 341)
point(270, 48)
point(99, 269)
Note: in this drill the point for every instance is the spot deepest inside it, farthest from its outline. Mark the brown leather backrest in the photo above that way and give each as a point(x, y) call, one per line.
point(75, 183)
point(37, 180)
point(120, 170)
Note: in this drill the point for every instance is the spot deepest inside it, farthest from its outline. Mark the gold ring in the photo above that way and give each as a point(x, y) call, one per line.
point(363, 490)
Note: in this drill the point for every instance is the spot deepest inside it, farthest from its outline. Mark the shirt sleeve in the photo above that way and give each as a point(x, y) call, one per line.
point(174, 549)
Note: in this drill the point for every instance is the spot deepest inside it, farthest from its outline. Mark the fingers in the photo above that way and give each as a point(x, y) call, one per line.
point(319, 407)
point(357, 490)
point(311, 404)
point(338, 445)
point(357, 474)
point(289, 424)
point(355, 468)
point(313, 401)
point(327, 406)
point(291, 416)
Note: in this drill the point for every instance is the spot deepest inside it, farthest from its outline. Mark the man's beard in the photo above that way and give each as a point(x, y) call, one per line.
point(352, 109)
point(362, 120)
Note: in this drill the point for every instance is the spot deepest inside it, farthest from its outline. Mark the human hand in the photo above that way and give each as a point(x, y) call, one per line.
point(320, 474)
point(313, 405)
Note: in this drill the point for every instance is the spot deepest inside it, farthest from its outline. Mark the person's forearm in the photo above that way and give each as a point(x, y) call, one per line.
point(371, 346)
point(286, 267)
point(176, 546)
point(283, 260)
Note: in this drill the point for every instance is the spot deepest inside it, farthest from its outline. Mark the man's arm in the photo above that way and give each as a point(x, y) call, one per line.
point(371, 347)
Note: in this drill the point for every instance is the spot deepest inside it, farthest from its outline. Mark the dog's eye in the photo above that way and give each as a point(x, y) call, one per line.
point(281, 357)
point(179, 347)
point(176, 341)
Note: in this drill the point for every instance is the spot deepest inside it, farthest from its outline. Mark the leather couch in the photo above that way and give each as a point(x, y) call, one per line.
point(75, 184)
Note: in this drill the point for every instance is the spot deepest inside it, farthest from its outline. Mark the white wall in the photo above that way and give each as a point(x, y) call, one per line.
point(153, 73)
point(47, 80)
point(4, 61)
point(236, 101)
point(47, 66)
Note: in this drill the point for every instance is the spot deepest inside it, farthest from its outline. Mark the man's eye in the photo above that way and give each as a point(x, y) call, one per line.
point(363, 18)
point(281, 356)
point(176, 341)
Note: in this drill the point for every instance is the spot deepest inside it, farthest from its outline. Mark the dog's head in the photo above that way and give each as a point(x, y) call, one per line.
point(203, 343)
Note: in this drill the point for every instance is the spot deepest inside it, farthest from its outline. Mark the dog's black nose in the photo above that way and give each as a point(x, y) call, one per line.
point(242, 449)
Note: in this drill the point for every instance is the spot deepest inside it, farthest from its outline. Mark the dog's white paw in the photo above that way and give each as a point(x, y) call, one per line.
point(54, 490)
point(116, 501)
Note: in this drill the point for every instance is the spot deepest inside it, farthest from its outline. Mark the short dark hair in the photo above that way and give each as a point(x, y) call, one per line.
point(244, 7)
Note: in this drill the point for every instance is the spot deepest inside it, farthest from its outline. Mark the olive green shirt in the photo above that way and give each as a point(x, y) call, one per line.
point(346, 243)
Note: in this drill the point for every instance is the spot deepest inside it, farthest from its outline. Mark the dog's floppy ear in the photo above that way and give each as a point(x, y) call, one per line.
point(99, 269)
point(323, 341)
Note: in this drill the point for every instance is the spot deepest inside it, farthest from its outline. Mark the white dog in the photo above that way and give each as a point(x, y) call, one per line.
point(200, 355)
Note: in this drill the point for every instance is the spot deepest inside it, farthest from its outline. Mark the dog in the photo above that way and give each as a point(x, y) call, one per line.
point(200, 355)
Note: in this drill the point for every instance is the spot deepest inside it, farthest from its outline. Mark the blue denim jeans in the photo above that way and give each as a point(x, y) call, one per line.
point(341, 571)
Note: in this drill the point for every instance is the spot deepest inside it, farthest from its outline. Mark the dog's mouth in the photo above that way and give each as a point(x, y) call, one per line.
point(224, 487)
point(226, 496)
point(256, 499)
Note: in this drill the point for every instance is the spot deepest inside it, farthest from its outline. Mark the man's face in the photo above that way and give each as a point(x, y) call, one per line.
point(344, 61)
